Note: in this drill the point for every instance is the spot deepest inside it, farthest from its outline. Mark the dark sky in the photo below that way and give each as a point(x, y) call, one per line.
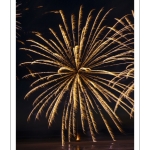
point(38, 19)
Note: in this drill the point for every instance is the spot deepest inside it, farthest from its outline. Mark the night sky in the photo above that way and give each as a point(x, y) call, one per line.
point(35, 18)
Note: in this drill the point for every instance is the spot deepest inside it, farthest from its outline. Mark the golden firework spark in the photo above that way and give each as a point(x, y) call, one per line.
point(82, 57)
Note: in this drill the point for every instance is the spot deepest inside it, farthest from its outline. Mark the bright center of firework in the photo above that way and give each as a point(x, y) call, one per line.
point(77, 68)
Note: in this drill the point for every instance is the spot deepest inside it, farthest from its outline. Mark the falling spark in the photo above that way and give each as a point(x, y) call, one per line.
point(21, 42)
point(26, 9)
point(39, 6)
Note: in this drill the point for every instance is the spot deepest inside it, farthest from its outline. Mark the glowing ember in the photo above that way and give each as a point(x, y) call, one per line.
point(78, 137)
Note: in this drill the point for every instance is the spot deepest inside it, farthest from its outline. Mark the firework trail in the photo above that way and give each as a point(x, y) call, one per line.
point(18, 15)
point(127, 30)
point(81, 55)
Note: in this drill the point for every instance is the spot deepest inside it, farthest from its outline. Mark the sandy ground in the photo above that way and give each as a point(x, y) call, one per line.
point(81, 145)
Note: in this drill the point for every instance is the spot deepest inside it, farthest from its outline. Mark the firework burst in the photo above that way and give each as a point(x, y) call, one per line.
point(127, 30)
point(82, 57)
